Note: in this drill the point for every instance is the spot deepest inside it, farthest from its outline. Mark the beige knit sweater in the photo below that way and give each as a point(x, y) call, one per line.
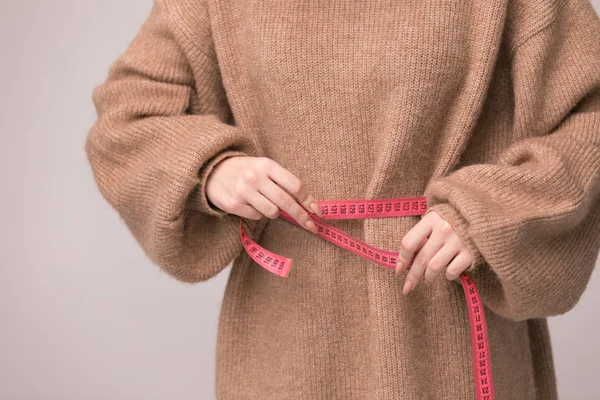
point(491, 109)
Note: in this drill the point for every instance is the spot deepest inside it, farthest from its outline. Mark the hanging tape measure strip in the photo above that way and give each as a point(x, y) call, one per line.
point(384, 208)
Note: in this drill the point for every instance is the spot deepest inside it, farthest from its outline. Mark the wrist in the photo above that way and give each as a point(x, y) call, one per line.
point(200, 201)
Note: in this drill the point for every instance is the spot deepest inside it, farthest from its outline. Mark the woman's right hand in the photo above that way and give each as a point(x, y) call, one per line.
point(253, 187)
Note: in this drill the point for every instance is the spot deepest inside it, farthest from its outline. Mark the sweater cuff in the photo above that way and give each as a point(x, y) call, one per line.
point(198, 199)
point(461, 226)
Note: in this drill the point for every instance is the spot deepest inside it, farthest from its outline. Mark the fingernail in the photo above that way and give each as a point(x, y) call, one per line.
point(311, 226)
point(315, 207)
point(408, 286)
point(399, 268)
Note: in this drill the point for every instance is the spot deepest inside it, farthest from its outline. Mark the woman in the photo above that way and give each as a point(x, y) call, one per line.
point(491, 109)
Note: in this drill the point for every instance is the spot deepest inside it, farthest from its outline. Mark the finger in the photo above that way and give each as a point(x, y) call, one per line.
point(294, 186)
point(412, 242)
point(287, 203)
point(401, 266)
point(247, 211)
point(262, 204)
point(459, 264)
point(427, 251)
point(439, 261)
point(237, 204)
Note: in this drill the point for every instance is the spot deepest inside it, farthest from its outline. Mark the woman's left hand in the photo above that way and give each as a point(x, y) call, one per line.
point(437, 246)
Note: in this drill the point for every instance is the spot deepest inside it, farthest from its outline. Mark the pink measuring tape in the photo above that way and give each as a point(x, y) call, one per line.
point(383, 208)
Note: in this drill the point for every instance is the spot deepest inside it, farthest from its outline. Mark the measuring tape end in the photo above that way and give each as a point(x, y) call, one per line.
point(287, 270)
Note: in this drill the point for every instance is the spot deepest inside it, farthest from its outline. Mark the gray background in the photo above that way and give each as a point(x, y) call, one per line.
point(83, 313)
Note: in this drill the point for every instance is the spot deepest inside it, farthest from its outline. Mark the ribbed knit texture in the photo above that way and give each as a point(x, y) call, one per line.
point(491, 109)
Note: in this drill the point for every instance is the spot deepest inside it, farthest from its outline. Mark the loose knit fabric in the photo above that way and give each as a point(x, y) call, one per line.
point(491, 109)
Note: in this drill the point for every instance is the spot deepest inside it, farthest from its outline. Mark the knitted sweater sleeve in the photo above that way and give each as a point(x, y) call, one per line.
point(532, 218)
point(159, 132)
